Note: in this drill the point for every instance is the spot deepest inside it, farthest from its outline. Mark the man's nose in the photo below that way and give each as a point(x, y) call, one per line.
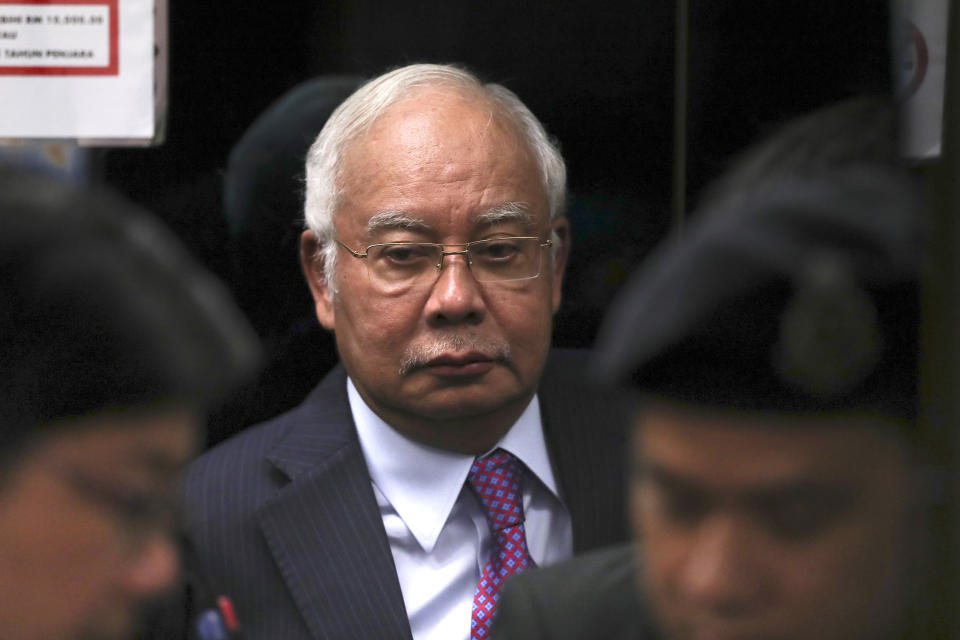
point(154, 567)
point(721, 573)
point(456, 296)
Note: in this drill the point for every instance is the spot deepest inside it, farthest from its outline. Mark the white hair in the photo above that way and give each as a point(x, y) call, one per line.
point(355, 116)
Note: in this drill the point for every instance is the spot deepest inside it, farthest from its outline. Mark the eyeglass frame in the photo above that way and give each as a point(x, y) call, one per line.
point(465, 252)
point(141, 515)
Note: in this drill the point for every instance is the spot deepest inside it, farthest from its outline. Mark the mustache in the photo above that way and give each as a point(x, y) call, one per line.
point(417, 356)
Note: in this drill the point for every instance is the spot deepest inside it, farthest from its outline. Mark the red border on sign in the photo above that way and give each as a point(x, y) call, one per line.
point(112, 69)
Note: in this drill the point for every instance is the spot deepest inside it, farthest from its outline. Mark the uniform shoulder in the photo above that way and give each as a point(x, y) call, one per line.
point(611, 566)
point(592, 596)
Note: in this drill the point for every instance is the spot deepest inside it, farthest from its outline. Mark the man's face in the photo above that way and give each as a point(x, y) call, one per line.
point(86, 526)
point(453, 362)
point(753, 531)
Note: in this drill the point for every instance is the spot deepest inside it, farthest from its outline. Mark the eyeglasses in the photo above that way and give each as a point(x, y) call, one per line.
point(409, 264)
point(141, 514)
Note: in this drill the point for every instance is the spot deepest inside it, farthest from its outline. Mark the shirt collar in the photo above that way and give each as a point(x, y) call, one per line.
point(421, 482)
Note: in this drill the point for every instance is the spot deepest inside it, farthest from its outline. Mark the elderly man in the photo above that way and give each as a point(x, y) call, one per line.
point(773, 491)
point(451, 449)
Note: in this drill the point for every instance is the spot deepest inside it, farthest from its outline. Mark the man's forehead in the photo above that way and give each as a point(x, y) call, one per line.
point(436, 119)
point(662, 409)
point(431, 103)
point(741, 448)
point(159, 443)
point(779, 485)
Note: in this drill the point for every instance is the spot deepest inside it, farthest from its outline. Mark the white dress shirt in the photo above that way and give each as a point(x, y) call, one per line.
point(436, 526)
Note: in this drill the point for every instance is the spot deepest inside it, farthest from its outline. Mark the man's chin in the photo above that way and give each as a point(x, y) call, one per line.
point(466, 401)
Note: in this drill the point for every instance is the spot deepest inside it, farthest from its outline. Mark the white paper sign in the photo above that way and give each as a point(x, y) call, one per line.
point(77, 69)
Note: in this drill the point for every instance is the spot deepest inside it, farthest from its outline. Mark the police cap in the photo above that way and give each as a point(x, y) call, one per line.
point(802, 297)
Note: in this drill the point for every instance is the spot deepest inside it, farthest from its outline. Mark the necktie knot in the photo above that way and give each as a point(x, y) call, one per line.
point(495, 479)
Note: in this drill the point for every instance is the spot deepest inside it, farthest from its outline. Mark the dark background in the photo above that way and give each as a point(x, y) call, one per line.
point(599, 74)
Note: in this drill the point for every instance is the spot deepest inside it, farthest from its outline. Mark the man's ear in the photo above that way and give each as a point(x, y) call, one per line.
point(311, 261)
point(561, 252)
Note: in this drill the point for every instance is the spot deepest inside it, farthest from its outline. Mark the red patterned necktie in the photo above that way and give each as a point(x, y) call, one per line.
point(496, 481)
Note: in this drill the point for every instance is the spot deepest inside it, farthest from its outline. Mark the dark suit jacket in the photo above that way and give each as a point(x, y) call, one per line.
point(593, 597)
point(283, 517)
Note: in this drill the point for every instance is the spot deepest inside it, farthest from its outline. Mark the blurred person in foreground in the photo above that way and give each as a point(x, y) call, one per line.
point(435, 252)
point(774, 491)
point(113, 343)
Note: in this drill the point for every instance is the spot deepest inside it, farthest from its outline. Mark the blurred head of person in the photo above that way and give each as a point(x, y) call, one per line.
point(263, 206)
point(113, 344)
point(773, 491)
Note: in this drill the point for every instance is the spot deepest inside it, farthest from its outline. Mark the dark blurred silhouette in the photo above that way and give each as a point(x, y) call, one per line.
point(263, 205)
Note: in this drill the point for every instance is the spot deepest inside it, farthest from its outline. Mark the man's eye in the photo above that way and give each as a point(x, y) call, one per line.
point(497, 250)
point(802, 519)
point(137, 506)
point(133, 507)
point(404, 254)
point(141, 509)
point(682, 507)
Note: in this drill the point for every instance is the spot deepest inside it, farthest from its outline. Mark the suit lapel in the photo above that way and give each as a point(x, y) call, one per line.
point(324, 528)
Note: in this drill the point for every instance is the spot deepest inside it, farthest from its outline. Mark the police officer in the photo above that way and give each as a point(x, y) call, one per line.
point(113, 343)
point(774, 348)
